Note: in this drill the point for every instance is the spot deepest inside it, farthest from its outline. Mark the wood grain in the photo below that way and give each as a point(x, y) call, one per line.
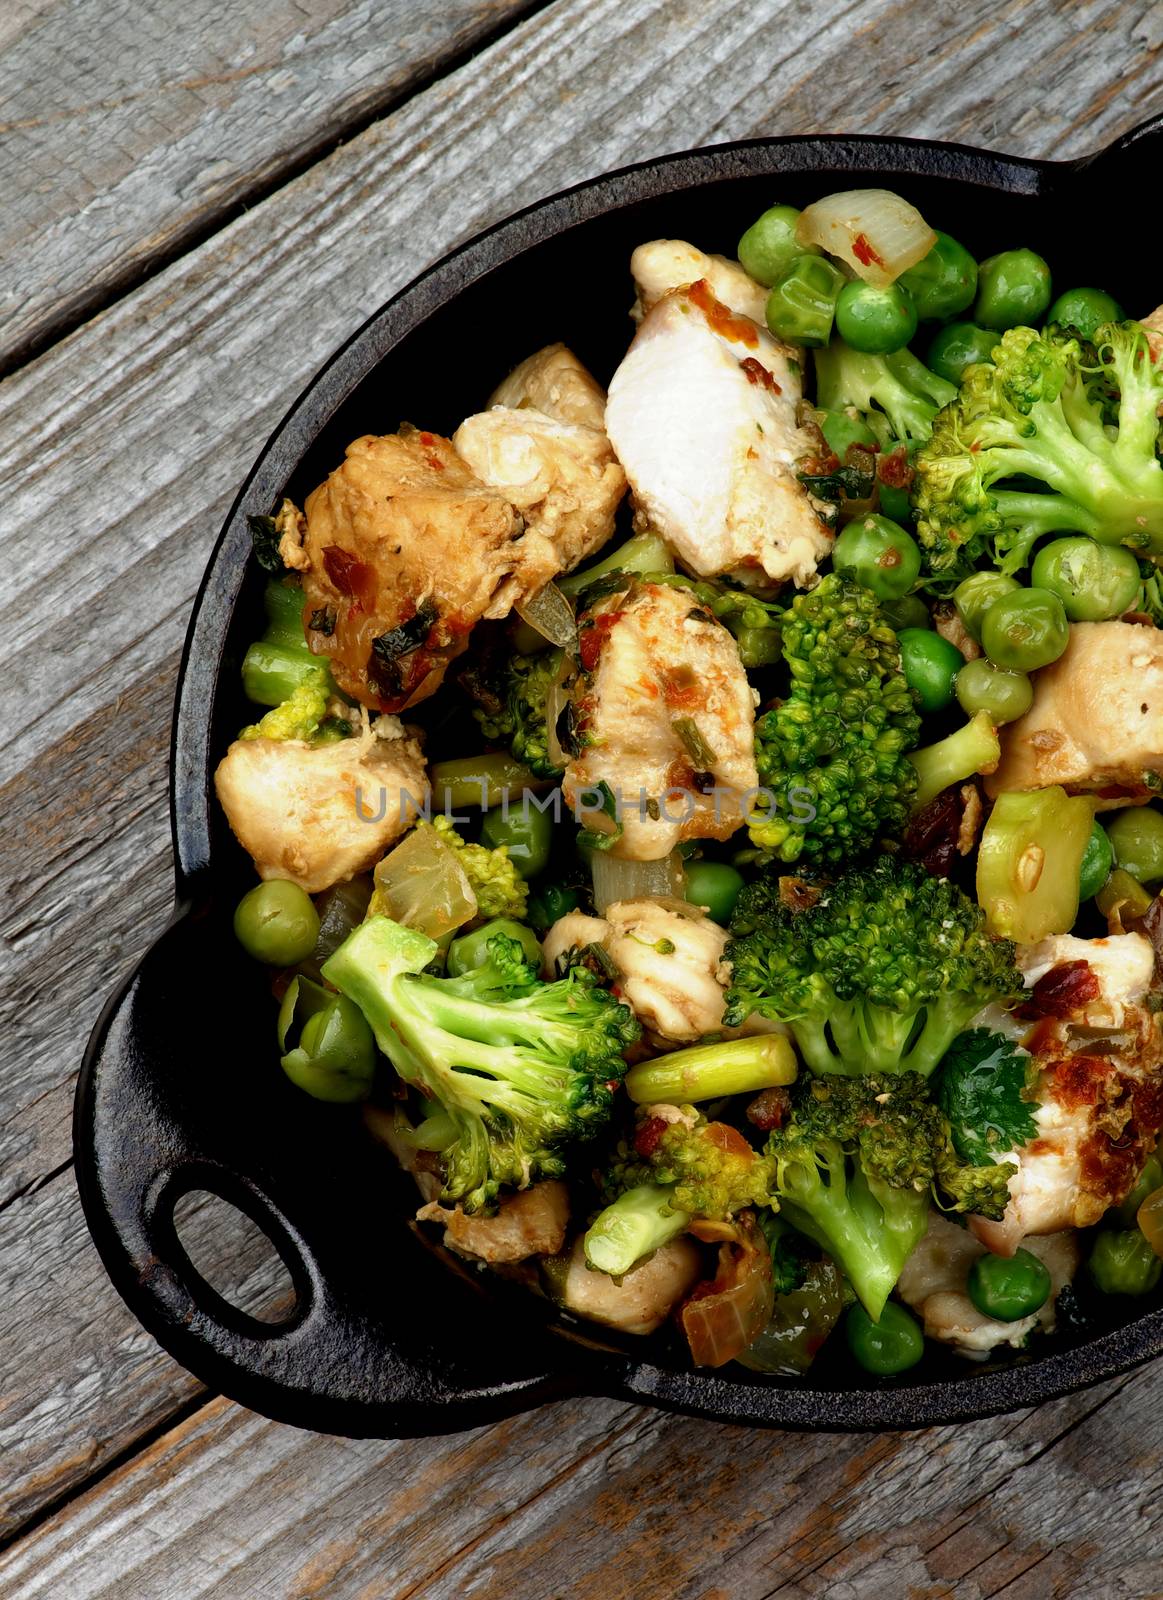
point(602, 1501)
point(127, 131)
point(121, 450)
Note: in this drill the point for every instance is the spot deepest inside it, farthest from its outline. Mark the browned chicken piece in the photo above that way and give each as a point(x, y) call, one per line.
point(1096, 724)
point(665, 719)
point(554, 382)
point(407, 550)
point(642, 1300)
point(530, 1223)
point(1091, 1027)
point(947, 621)
point(935, 1278)
point(666, 264)
point(318, 814)
point(561, 476)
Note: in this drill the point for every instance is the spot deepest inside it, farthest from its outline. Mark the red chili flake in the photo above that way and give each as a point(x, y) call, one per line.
point(592, 639)
point(347, 572)
point(648, 1135)
point(894, 470)
point(755, 372)
point(769, 1109)
point(720, 318)
point(864, 252)
point(1061, 991)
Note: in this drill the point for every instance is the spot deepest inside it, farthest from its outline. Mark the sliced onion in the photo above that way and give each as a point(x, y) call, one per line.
point(552, 615)
point(722, 1318)
point(422, 884)
point(555, 704)
point(873, 231)
point(341, 909)
point(616, 880)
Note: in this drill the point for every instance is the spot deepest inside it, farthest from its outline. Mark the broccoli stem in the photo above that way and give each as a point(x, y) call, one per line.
point(272, 672)
point(283, 604)
point(480, 782)
point(638, 1223)
point(645, 552)
point(710, 1071)
point(971, 749)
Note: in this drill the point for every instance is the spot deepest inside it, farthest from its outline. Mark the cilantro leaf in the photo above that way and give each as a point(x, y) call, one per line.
point(980, 1087)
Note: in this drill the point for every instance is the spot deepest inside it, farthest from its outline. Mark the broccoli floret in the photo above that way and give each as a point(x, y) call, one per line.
point(512, 695)
point(1036, 412)
point(297, 717)
point(836, 746)
point(499, 888)
point(521, 1068)
point(867, 1226)
point(879, 975)
point(897, 394)
point(678, 1167)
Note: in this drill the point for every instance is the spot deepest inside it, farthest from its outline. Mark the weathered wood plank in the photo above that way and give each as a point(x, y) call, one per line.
point(126, 131)
point(80, 1379)
point(123, 447)
point(602, 1501)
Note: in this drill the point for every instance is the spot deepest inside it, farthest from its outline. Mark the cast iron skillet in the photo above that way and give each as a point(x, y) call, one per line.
point(180, 1088)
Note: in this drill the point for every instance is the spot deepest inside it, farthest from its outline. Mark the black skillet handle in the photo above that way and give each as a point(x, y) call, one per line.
point(180, 1090)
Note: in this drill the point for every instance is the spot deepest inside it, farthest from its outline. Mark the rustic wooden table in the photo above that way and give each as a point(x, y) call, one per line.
point(200, 202)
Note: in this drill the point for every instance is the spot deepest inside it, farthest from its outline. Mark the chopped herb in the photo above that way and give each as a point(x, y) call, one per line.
point(264, 539)
point(695, 745)
point(322, 620)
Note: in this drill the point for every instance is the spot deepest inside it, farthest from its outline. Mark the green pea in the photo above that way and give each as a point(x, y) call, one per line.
point(1009, 1288)
point(1150, 1179)
point(875, 321)
point(770, 247)
point(471, 950)
point(942, 283)
point(276, 922)
point(930, 665)
point(974, 597)
point(1093, 581)
point(1085, 310)
point(1025, 630)
point(843, 429)
point(335, 1058)
point(802, 304)
point(548, 903)
point(525, 829)
point(880, 554)
point(1123, 1263)
point(716, 886)
point(894, 1344)
point(957, 346)
point(1097, 861)
point(1013, 290)
point(1136, 837)
point(1006, 696)
point(909, 611)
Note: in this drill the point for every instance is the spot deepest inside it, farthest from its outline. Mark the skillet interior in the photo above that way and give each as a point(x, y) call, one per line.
point(181, 1087)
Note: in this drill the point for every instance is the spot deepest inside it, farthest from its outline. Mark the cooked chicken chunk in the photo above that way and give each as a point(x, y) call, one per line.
point(1097, 1049)
point(703, 416)
point(530, 1223)
point(562, 478)
point(1153, 322)
point(319, 814)
point(407, 549)
point(666, 264)
point(934, 1281)
point(1096, 724)
point(665, 719)
point(554, 382)
point(643, 1299)
point(668, 957)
